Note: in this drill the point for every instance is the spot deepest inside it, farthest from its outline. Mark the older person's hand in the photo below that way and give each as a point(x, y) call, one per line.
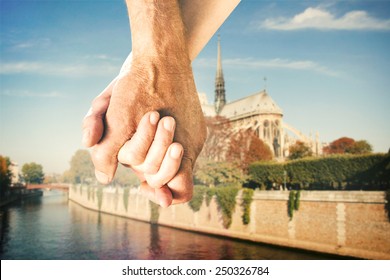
point(160, 79)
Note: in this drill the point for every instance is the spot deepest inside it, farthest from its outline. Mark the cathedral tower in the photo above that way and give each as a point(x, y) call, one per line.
point(220, 99)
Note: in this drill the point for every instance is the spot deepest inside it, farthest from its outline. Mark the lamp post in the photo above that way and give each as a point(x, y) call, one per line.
point(284, 177)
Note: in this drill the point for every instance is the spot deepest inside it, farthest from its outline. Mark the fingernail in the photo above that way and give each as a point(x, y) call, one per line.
point(86, 137)
point(175, 151)
point(89, 113)
point(169, 124)
point(101, 177)
point(154, 118)
point(163, 203)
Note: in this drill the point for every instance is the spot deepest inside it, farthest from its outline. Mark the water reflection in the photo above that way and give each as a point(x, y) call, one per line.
point(53, 228)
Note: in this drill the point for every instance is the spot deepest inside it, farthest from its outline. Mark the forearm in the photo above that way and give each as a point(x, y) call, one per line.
point(158, 32)
point(201, 18)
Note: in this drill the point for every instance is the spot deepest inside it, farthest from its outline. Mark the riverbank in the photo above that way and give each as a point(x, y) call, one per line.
point(22, 194)
point(350, 223)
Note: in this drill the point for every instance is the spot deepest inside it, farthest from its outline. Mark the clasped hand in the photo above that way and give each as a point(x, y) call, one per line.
point(150, 120)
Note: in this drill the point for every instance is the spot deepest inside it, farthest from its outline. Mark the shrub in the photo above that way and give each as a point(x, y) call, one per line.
point(387, 205)
point(99, 195)
point(197, 198)
point(154, 212)
point(293, 203)
point(209, 195)
point(126, 191)
point(226, 199)
point(247, 198)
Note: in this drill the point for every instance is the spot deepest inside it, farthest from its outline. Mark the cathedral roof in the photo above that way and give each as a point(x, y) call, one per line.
point(258, 103)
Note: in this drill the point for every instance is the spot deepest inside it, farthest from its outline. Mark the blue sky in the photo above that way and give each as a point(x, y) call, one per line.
point(327, 65)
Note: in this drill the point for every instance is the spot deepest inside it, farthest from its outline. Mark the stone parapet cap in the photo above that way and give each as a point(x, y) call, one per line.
point(326, 196)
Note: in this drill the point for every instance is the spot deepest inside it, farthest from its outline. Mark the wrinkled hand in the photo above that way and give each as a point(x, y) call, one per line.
point(146, 87)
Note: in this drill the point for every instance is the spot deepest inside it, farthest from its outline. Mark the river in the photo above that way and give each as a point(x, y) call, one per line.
point(51, 227)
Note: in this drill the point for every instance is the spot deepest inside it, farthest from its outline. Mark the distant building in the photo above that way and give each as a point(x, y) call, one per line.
point(14, 167)
point(258, 112)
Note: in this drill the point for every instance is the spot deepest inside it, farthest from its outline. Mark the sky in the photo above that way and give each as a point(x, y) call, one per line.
point(326, 64)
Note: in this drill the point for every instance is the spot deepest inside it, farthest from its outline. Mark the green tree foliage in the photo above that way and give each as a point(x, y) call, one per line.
point(360, 147)
point(352, 171)
point(5, 174)
point(32, 173)
point(197, 199)
point(247, 198)
point(81, 168)
point(154, 212)
point(226, 200)
point(293, 202)
point(345, 145)
point(267, 173)
point(125, 177)
point(299, 150)
point(387, 205)
point(211, 173)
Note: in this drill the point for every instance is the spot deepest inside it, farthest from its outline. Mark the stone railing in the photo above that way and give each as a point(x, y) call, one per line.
point(345, 223)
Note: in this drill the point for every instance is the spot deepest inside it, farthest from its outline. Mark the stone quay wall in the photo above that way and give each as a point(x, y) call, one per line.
point(347, 223)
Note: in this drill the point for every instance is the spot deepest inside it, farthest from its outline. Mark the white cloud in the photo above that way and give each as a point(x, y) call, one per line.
point(27, 93)
point(100, 57)
point(53, 69)
point(36, 43)
point(319, 18)
point(249, 62)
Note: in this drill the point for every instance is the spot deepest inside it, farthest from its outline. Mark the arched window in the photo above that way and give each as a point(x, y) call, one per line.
point(266, 130)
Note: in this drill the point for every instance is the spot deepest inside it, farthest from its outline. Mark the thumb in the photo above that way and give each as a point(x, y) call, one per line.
point(104, 158)
point(93, 125)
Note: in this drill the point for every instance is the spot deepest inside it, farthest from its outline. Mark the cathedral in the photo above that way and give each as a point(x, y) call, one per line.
point(258, 112)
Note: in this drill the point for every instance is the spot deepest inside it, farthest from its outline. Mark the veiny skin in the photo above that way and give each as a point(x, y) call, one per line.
point(142, 91)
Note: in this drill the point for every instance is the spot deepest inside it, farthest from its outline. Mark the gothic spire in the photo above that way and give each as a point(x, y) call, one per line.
point(220, 98)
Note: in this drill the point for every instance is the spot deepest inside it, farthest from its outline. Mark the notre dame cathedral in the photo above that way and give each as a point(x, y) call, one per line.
point(258, 112)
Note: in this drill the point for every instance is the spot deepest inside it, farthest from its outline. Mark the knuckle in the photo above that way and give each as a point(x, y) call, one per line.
point(164, 141)
point(151, 167)
point(131, 158)
point(185, 197)
point(101, 156)
point(154, 182)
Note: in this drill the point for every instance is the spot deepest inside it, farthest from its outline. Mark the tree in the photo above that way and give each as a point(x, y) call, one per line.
point(81, 168)
point(345, 145)
point(5, 174)
point(52, 178)
point(339, 146)
point(125, 177)
point(212, 173)
point(257, 151)
point(299, 150)
point(217, 142)
point(360, 147)
point(32, 173)
point(245, 147)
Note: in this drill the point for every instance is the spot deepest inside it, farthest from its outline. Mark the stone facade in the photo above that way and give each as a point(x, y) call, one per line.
point(351, 224)
point(258, 112)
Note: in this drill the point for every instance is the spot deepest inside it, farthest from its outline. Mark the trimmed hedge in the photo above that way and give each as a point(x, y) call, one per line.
point(347, 171)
